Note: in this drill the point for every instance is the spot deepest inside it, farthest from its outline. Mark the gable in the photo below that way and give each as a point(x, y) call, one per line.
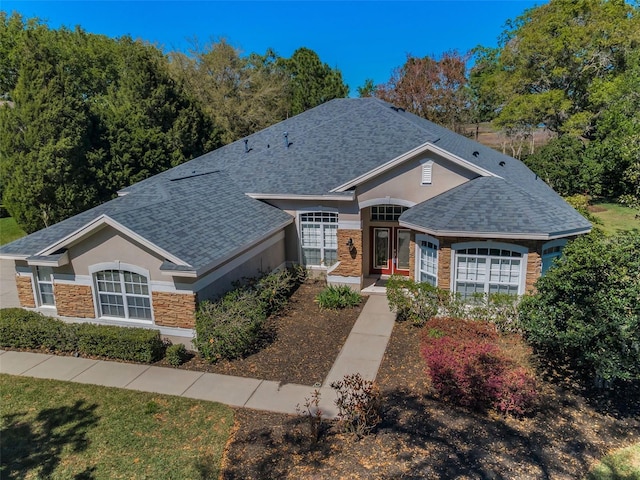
point(107, 244)
point(405, 180)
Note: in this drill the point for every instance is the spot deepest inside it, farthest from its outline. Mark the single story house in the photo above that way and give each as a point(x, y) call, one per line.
point(355, 188)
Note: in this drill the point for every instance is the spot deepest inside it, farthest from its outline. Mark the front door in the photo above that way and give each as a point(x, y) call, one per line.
point(390, 250)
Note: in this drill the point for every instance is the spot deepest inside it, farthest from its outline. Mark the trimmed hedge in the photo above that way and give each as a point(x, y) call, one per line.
point(26, 329)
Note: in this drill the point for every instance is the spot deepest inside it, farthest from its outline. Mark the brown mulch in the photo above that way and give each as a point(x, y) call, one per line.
point(421, 437)
point(302, 343)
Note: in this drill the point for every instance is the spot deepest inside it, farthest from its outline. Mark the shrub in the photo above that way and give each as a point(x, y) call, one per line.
point(275, 289)
point(358, 405)
point(25, 329)
point(176, 354)
point(338, 297)
point(136, 344)
point(468, 368)
point(586, 308)
point(418, 302)
point(231, 327)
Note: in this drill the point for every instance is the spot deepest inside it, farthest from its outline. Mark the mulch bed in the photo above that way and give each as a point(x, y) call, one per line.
point(302, 344)
point(421, 437)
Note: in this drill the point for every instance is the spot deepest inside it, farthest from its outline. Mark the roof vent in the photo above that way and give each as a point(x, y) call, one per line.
point(286, 140)
point(476, 153)
point(502, 163)
point(246, 146)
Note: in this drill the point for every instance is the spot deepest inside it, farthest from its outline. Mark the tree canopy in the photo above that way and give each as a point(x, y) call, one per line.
point(433, 88)
point(85, 116)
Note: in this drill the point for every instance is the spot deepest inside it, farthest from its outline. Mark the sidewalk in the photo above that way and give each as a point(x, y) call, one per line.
point(362, 353)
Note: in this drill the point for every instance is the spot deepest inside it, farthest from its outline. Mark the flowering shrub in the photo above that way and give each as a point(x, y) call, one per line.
point(467, 367)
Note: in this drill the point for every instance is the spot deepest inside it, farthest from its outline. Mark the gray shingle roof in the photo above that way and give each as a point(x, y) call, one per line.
point(207, 215)
point(490, 206)
point(199, 219)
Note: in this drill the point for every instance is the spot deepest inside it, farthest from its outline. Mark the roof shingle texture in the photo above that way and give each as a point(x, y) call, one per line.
point(207, 215)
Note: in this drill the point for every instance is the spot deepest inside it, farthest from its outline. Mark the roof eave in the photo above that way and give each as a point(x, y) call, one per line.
point(222, 260)
point(283, 196)
point(98, 223)
point(512, 236)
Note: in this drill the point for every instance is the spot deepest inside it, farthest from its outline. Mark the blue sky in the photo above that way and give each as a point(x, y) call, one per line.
point(363, 39)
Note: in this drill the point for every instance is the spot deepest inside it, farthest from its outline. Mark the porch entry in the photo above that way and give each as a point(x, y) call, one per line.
point(390, 250)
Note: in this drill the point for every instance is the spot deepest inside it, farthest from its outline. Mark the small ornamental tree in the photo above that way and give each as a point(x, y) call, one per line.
point(587, 307)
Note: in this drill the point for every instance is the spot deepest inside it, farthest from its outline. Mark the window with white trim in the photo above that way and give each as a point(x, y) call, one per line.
point(427, 169)
point(319, 238)
point(44, 279)
point(427, 259)
point(388, 213)
point(551, 251)
point(123, 294)
point(488, 269)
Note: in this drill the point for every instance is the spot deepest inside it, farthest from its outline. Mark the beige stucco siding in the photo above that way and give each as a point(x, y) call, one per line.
point(109, 245)
point(405, 181)
point(264, 258)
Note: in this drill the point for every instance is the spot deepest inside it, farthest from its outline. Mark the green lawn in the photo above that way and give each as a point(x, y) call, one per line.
point(52, 429)
point(622, 464)
point(9, 230)
point(616, 217)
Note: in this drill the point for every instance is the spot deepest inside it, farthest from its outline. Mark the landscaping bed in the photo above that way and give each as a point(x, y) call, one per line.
point(300, 345)
point(421, 437)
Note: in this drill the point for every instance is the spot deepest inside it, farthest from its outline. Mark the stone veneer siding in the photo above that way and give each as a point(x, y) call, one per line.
point(534, 260)
point(25, 291)
point(350, 262)
point(74, 300)
point(174, 309)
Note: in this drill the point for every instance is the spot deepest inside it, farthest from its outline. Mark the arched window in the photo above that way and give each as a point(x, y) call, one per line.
point(551, 251)
point(122, 294)
point(488, 267)
point(319, 238)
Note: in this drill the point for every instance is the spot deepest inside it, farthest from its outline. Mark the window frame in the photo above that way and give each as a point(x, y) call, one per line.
point(121, 269)
point(389, 211)
point(435, 246)
point(324, 228)
point(547, 259)
point(456, 256)
point(40, 282)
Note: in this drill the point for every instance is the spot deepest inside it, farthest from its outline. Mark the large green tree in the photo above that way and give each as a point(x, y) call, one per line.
point(84, 116)
point(241, 94)
point(312, 82)
point(551, 56)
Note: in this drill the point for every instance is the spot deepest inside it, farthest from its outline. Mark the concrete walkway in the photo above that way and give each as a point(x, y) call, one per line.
point(362, 352)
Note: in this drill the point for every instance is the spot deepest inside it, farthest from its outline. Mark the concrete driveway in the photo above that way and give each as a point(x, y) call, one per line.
point(8, 290)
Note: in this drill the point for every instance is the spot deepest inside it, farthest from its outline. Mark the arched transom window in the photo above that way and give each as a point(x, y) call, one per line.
point(123, 294)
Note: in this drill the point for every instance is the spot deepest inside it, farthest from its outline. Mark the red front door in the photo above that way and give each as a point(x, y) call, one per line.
point(390, 250)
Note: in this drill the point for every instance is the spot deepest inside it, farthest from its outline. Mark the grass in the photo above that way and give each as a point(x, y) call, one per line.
point(53, 429)
point(616, 217)
point(9, 230)
point(622, 464)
